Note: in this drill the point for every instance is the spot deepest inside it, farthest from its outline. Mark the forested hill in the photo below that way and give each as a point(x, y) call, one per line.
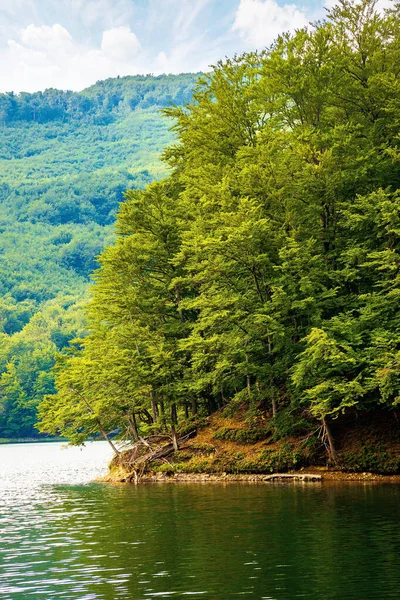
point(262, 276)
point(66, 159)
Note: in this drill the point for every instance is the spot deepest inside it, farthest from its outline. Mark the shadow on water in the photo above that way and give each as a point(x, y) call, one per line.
point(217, 541)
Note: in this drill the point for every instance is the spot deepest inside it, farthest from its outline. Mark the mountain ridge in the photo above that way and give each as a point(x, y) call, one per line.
point(66, 159)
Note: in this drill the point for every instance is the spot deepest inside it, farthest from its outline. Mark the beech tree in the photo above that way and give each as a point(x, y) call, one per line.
point(264, 270)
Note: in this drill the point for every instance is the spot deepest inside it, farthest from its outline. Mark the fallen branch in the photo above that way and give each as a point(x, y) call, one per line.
point(147, 450)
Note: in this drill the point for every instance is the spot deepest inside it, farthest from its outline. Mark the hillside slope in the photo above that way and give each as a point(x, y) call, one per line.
point(225, 446)
point(65, 161)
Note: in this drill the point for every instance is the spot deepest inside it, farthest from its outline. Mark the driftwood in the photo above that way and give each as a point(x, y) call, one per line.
point(146, 451)
point(293, 477)
point(156, 454)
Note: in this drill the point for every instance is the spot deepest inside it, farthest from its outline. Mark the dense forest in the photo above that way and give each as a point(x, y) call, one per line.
point(264, 270)
point(65, 161)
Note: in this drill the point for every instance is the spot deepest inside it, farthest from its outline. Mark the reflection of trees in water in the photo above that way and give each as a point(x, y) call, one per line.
point(274, 541)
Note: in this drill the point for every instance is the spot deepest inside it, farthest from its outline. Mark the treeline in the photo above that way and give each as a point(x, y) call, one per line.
point(98, 104)
point(28, 345)
point(61, 182)
point(264, 271)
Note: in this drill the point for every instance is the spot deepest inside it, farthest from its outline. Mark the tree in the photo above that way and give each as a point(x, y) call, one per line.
point(263, 271)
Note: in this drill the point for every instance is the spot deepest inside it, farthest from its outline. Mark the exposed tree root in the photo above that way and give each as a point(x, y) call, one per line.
point(147, 450)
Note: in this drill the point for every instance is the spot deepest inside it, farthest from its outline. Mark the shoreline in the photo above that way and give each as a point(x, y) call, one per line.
point(311, 476)
point(8, 441)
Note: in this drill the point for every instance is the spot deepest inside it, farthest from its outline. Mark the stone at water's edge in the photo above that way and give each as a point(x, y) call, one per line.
point(293, 477)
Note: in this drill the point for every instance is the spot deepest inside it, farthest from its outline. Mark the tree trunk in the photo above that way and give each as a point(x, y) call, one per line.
point(101, 428)
point(222, 396)
point(174, 421)
point(248, 386)
point(133, 424)
point(328, 435)
point(144, 413)
point(174, 416)
point(105, 436)
point(194, 407)
point(162, 413)
point(154, 408)
point(186, 410)
point(174, 438)
point(274, 411)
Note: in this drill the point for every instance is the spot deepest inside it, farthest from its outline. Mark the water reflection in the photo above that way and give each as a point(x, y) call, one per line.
point(213, 541)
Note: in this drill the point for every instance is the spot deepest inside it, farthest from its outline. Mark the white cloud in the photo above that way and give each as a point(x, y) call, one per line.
point(258, 22)
point(48, 56)
point(120, 43)
point(75, 42)
point(45, 38)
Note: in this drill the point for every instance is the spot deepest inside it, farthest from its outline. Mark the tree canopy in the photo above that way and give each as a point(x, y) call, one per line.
point(265, 268)
point(65, 160)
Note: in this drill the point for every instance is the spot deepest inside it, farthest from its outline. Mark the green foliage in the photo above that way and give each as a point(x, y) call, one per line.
point(66, 160)
point(192, 424)
point(63, 173)
point(372, 460)
point(264, 270)
point(289, 422)
point(26, 359)
point(287, 457)
point(243, 436)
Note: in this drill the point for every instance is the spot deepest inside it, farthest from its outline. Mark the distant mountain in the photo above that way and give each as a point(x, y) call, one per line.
point(66, 159)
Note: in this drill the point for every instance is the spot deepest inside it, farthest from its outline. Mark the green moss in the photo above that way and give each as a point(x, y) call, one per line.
point(285, 458)
point(241, 436)
point(203, 448)
point(182, 456)
point(372, 459)
point(191, 424)
point(165, 468)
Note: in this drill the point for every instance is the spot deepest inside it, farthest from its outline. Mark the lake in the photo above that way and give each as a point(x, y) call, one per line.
point(65, 537)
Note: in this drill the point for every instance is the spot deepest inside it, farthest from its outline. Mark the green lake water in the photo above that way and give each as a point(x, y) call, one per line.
point(64, 537)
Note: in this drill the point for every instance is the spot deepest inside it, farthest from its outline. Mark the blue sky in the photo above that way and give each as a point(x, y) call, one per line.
point(70, 44)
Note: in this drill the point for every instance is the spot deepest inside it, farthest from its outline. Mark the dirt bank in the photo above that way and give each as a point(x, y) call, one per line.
point(222, 448)
point(325, 477)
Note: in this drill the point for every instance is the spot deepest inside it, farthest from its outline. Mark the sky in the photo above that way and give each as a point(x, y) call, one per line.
point(71, 44)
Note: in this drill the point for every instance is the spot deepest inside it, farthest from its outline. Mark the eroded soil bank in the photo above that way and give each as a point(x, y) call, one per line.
point(230, 449)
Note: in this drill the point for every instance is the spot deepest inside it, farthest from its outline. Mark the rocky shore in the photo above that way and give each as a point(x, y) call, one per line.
point(314, 476)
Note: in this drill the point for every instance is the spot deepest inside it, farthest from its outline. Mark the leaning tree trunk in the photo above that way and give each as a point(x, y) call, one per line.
point(133, 425)
point(98, 421)
point(328, 436)
point(105, 436)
